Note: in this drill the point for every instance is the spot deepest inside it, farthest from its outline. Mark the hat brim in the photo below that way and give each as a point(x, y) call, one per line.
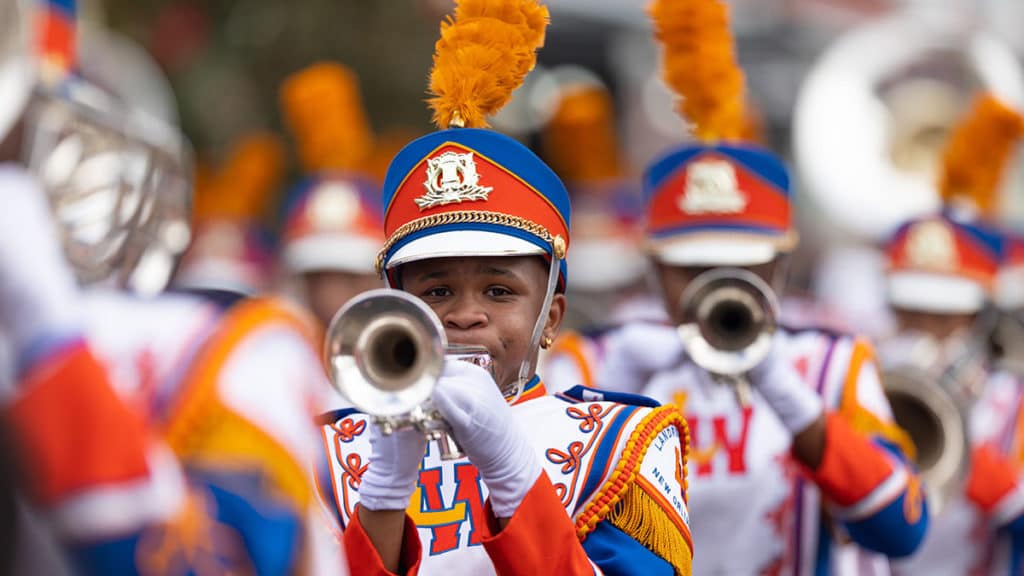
point(458, 243)
point(332, 252)
point(605, 264)
point(1009, 291)
point(720, 250)
point(935, 293)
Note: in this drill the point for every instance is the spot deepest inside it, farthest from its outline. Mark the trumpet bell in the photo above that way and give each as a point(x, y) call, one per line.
point(385, 350)
point(936, 426)
point(729, 318)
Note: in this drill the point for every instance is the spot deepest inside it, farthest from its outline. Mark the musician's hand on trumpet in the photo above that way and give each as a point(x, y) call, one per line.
point(482, 423)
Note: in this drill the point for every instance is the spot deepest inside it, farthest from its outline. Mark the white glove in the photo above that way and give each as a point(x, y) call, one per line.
point(486, 430)
point(393, 471)
point(38, 293)
point(635, 353)
point(795, 403)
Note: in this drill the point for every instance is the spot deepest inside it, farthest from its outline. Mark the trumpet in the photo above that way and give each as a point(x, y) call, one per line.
point(729, 316)
point(385, 351)
point(930, 401)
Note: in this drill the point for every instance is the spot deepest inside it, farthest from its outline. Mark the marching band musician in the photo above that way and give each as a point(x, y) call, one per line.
point(609, 286)
point(942, 272)
point(477, 227)
point(332, 226)
point(808, 459)
point(163, 435)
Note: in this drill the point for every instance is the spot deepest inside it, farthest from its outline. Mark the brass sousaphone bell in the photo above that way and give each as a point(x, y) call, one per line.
point(729, 317)
point(385, 351)
point(930, 401)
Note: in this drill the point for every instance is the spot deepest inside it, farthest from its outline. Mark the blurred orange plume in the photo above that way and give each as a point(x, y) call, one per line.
point(580, 142)
point(386, 146)
point(324, 111)
point(244, 187)
point(484, 53)
point(977, 152)
point(700, 66)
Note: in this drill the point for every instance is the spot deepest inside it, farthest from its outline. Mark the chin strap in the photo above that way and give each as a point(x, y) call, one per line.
point(526, 368)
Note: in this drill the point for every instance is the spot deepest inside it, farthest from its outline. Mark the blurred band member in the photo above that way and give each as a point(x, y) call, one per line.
point(943, 271)
point(157, 435)
point(332, 227)
point(795, 454)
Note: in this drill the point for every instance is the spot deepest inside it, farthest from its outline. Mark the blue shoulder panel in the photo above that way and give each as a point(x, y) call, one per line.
point(240, 527)
point(588, 394)
point(618, 554)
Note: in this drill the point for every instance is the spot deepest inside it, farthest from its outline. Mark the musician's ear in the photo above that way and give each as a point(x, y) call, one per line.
point(555, 317)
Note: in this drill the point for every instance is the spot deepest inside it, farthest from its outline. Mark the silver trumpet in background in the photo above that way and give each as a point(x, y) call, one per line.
point(385, 351)
point(729, 317)
point(931, 399)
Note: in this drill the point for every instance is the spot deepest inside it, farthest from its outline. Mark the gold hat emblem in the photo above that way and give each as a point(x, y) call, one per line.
point(712, 188)
point(334, 206)
point(452, 179)
point(932, 246)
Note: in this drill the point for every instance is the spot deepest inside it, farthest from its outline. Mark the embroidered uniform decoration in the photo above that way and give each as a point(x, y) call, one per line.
point(712, 188)
point(931, 245)
point(452, 179)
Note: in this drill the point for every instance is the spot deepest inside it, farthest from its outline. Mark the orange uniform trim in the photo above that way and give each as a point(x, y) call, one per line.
point(992, 478)
point(65, 396)
point(538, 539)
point(851, 467)
point(625, 472)
point(861, 419)
point(363, 559)
point(573, 346)
point(201, 428)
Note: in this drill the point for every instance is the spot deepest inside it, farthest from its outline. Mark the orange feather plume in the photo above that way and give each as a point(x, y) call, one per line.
point(484, 53)
point(977, 152)
point(245, 186)
point(700, 66)
point(324, 111)
point(579, 142)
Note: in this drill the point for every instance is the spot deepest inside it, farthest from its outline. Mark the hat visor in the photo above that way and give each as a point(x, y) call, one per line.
point(935, 293)
point(1010, 288)
point(605, 264)
point(332, 252)
point(458, 243)
point(720, 250)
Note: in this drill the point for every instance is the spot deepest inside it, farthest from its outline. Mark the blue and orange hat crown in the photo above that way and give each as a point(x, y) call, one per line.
point(719, 187)
point(465, 190)
point(722, 189)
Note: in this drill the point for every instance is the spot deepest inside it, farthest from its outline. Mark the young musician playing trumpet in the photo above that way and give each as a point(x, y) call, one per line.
point(477, 227)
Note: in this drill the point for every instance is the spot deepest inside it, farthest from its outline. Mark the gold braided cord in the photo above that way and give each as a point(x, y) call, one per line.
point(470, 217)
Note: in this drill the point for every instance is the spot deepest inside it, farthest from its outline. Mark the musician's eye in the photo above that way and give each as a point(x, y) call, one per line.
point(498, 292)
point(437, 292)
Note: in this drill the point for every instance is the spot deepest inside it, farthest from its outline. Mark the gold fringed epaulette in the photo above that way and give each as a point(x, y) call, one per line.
point(627, 506)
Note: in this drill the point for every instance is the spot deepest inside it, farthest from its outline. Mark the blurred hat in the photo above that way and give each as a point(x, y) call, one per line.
point(332, 219)
point(721, 200)
point(581, 145)
point(941, 265)
point(333, 222)
point(231, 247)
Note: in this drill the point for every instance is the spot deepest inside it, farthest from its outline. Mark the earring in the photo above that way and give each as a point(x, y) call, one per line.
point(547, 342)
